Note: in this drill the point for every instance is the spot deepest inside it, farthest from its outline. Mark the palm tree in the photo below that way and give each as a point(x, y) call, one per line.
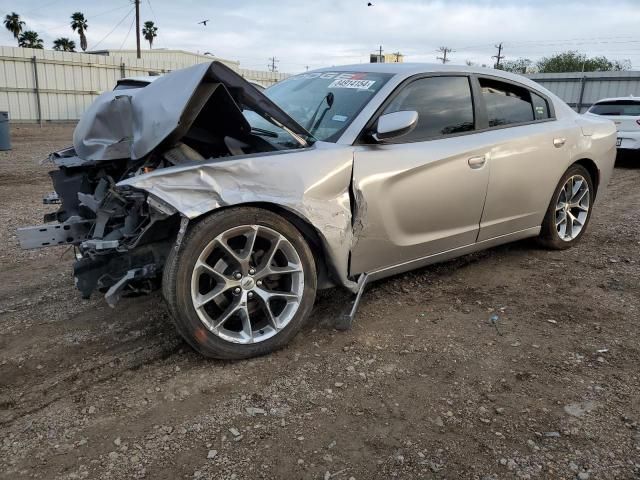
point(14, 24)
point(150, 32)
point(30, 39)
point(64, 44)
point(79, 24)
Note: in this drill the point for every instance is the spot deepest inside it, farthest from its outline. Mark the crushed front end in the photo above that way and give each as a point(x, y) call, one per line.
point(121, 236)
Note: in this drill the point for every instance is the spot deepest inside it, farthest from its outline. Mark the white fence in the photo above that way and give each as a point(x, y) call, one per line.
point(45, 85)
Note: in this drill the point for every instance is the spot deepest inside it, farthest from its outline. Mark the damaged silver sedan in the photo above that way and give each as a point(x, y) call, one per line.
point(241, 204)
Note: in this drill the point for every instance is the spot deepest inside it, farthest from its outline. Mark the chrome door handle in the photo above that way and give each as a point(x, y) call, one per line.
point(559, 142)
point(477, 162)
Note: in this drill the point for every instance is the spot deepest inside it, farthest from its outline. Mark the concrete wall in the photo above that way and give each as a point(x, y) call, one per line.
point(45, 85)
point(581, 90)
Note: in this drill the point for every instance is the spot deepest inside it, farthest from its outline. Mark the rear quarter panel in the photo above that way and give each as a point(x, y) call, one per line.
point(597, 143)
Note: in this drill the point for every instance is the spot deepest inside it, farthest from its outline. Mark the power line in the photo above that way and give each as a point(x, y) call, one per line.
point(498, 57)
point(152, 12)
point(127, 37)
point(155, 19)
point(112, 30)
point(272, 65)
point(137, 7)
point(585, 40)
point(89, 17)
point(40, 7)
point(444, 51)
point(380, 57)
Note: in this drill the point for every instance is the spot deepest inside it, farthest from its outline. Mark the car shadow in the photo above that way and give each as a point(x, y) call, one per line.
point(627, 159)
point(331, 303)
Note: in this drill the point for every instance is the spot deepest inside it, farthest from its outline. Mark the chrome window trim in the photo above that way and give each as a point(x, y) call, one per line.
point(479, 107)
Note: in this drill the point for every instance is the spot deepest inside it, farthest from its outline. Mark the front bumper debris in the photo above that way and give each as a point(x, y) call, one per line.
point(71, 232)
point(121, 236)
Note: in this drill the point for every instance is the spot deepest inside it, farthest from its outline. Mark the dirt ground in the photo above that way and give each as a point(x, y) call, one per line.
point(422, 387)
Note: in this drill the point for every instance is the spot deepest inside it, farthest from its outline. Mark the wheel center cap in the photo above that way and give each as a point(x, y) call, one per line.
point(247, 283)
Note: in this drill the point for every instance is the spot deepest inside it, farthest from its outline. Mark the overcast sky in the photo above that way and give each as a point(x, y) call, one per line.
point(331, 32)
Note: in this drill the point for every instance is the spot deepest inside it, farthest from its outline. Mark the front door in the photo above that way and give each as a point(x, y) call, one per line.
point(422, 193)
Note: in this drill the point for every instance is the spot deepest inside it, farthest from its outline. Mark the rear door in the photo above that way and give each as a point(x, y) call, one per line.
point(529, 151)
point(422, 193)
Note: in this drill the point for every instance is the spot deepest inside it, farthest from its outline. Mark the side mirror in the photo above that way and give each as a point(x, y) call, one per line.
point(396, 124)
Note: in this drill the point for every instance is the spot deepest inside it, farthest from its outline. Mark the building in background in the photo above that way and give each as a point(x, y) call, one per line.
point(44, 85)
point(179, 58)
point(378, 57)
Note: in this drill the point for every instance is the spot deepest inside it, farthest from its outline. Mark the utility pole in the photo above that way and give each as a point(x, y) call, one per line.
point(306, 67)
point(272, 65)
point(138, 27)
point(398, 55)
point(444, 51)
point(499, 56)
point(380, 59)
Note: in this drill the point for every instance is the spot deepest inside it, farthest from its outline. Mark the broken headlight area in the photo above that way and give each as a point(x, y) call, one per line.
point(121, 235)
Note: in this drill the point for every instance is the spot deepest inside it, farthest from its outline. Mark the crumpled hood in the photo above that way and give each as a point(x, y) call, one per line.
point(131, 123)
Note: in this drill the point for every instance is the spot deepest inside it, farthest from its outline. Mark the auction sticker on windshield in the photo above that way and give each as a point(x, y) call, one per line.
point(348, 83)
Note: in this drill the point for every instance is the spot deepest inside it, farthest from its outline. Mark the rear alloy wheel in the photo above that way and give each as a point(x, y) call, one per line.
point(244, 282)
point(569, 211)
point(572, 208)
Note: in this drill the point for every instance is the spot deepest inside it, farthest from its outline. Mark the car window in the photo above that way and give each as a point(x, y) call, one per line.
point(325, 103)
point(506, 103)
point(444, 107)
point(617, 107)
point(540, 107)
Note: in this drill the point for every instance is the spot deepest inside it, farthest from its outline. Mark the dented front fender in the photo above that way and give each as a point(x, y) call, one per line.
point(313, 183)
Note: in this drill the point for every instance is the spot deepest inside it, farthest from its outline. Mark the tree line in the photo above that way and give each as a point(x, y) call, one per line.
point(570, 61)
point(79, 24)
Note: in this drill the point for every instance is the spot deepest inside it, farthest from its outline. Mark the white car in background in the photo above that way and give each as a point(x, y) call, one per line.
point(625, 113)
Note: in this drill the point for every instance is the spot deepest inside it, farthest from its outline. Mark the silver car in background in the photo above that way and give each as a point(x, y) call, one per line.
point(242, 204)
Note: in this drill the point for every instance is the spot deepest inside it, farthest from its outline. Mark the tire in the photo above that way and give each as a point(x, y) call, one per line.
point(551, 234)
point(276, 304)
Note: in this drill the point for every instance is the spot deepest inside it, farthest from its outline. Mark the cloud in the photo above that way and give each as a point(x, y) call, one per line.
point(330, 32)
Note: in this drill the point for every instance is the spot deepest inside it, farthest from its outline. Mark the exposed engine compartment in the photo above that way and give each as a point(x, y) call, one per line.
point(122, 235)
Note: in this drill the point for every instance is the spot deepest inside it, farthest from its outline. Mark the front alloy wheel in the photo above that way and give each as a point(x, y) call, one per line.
point(241, 284)
point(247, 284)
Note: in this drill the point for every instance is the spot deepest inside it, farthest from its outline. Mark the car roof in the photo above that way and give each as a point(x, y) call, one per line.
point(400, 67)
point(406, 70)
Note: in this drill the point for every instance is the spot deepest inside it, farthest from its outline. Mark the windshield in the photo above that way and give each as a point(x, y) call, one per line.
point(325, 103)
point(617, 107)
